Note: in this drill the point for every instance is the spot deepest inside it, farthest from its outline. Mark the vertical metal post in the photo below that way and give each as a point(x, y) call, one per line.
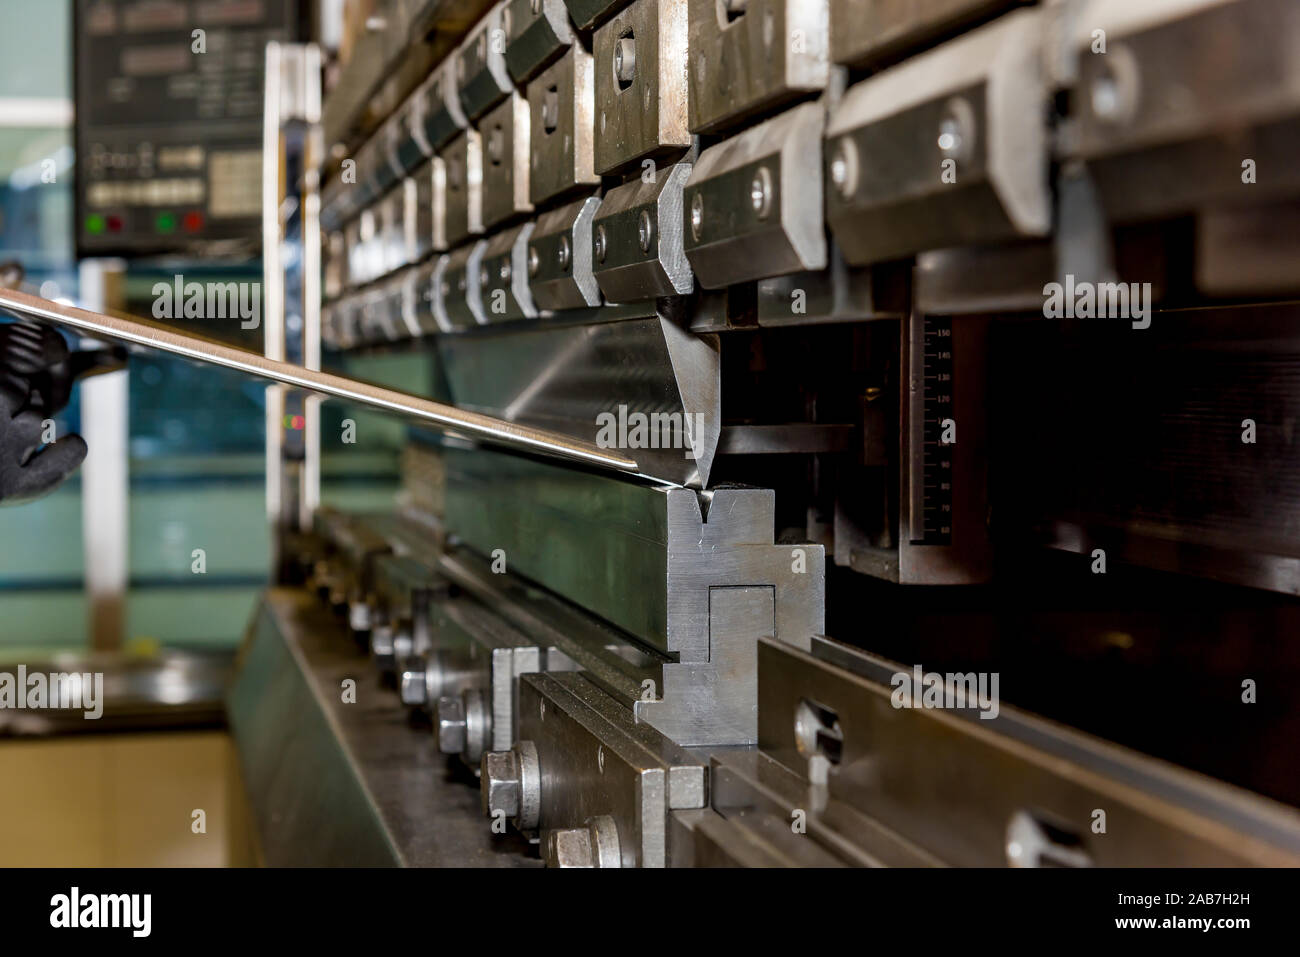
point(292, 144)
point(105, 478)
point(273, 280)
point(311, 277)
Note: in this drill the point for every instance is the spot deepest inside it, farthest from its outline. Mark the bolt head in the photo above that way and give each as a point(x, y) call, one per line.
point(570, 847)
point(450, 725)
point(645, 230)
point(412, 686)
point(381, 642)
point(625, 59)
point(601, 246)
point(697, 214)
point(499, 783)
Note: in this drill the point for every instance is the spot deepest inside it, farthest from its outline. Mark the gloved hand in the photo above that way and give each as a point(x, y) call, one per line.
point(34, 384)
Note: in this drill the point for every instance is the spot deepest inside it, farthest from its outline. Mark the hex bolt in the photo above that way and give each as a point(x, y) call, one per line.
point(601, 245)
point(450, 725)
point(570, 847)
point(510, 782)
point(412, 687)
point(645, 230)
point(382, 645)
point(697, 215)
point(563, 254)
point(593, 845)
point(534, 261)
point(499, 782)
point(359, 617)
point(625, 60)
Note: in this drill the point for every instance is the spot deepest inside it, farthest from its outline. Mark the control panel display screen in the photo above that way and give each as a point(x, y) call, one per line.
point(169, 122)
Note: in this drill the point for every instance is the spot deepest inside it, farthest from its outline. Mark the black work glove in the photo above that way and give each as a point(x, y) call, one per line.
point(33, 386)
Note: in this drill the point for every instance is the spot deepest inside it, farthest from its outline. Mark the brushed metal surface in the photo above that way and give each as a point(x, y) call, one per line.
point(559, 257)
point(561, 100)
point(912, 768)
point(481, 73)
point(537, 33)
point(770, 52)
point(753, 203)
point(332, 783)
point(945, 149)
point(463, 169)
point(637, 238)
point(642, 114)
point(503, 276)
point(565, 377)
point(868, 31)
point(505, 141)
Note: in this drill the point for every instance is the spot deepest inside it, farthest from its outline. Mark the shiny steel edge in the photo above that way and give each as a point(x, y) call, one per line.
point(447, 418)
